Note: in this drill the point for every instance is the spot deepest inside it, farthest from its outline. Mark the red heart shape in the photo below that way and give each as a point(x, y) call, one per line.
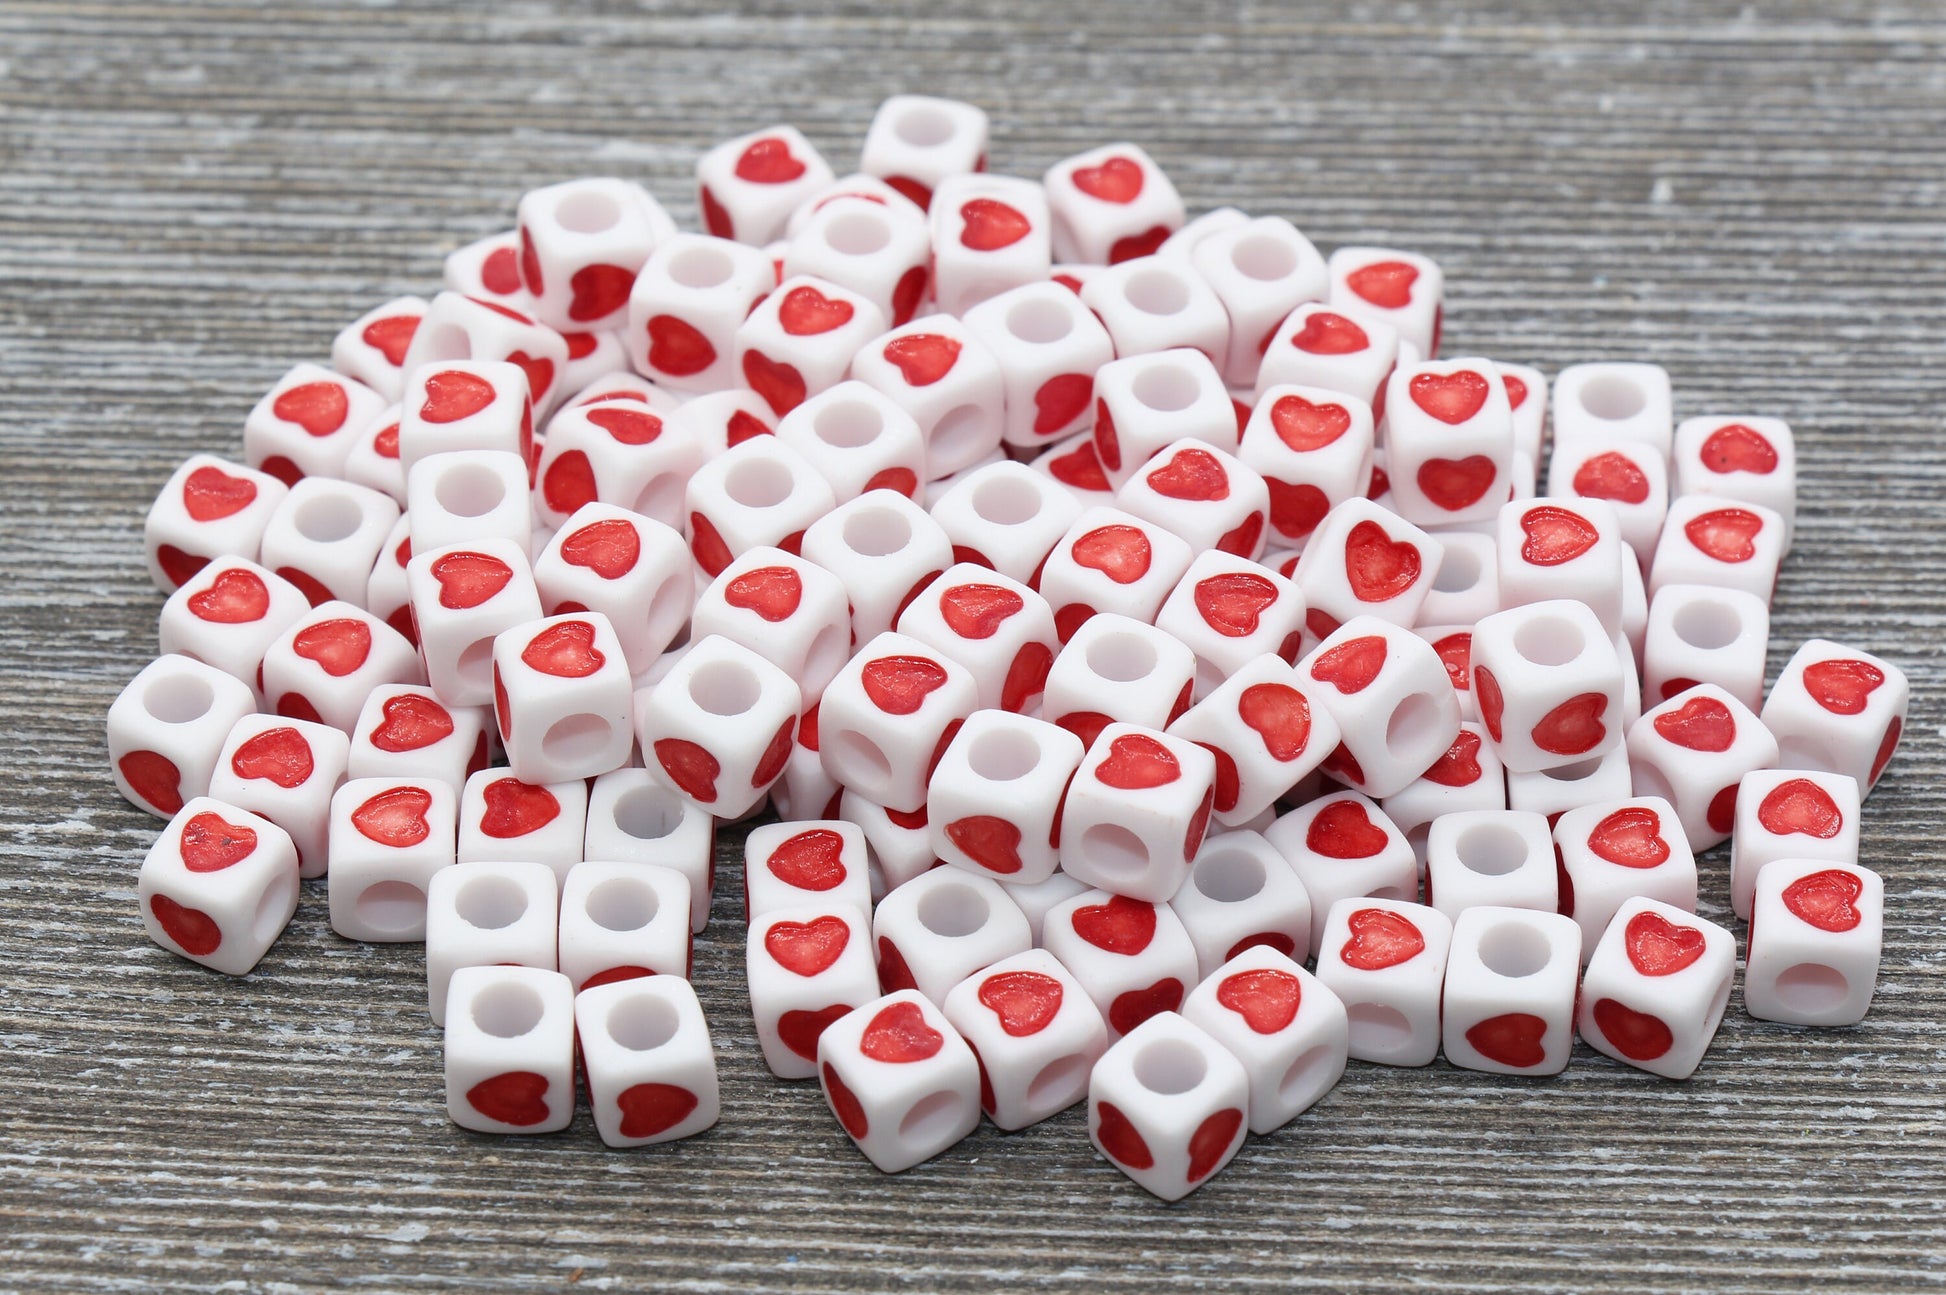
point(194, 931)
point(1384, 283)
point(810, 860)
point(410, 721)
point(1060, 400)
point(391, 336)
point(844, 1104)
point(467, 579)
point(1456, 654)
point(1454, 484)
point(902, 481)
point(516, 808)
point(1026, 676)
point(1631, 837)
point(1611, 475)
point(211, 494)
point(1826, 900)
point(1241, 540)
point(565, 650)
point(386, 443)
point(1801, 807)
point(1296, 509)
point(907, 293)
point(893, 973)
point(395, 817)
point(715, 219)
point(568, 485)
point(768, 161)
point(781, 385)
point(806, 312)
point(773, 593)
point(1119, 551)
point(1842, 686)
point(1108, 447)
point(1512, 1039)
point(1198, 824)
point(922, 358)
point(1120, 925)
point(899, 685)
point(1265, 998)
point(742, 427)
point(234, 597)
point(1279, 714)
point(1727, 534)
point(516, 1097)
point(500, 272)
point(1737, 448)
point(693, 769)
point(211, 843)
point(539, 371)
point(1516, 390)
point(1130, 1009)
point(1460, 765)
point(652, 1108)
point(1351, 666)
point(1213, 1137)
point(1659, 947)
point(1343, 830)
point(1193, 475)
point(1378, 567)
point(988, 225)
point(1079, 468)
point(609, 548)
point(1232, 603)
point(277, 755)
point(452, 395)
point(990, 841)
point(677, 347)
point(628, 426)
point(1115, 179)
point(1325, 333)
point(1381, 938)
point(320, 408)
point(599, 291)
point(1886, 746)
point(1636, 1035)
point(313, 589)
point(1304, 426)
point(339, 646)
point(1699, 724)
point(807, 948)
point(1574, 727)
point(1137, 762)
point(899, 1035)
point(1492, 704)
point(530, 264)
point(153, 777)
point(1555, 535)
point(1119, 1139)
point(976, 611)
point(1025, 1002)
point(1452, 398)
point(800, 1030)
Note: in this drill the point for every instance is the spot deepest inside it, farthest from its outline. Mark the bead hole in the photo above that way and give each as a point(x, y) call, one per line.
point(1549, 640)
point(1263, 258)
point(469, 490)
point(953, 912)
point(491, 903)
point(923, 127)
point(1006, 501)
point(1613, 397)
point(1002, 755)
point(391, 906)
point(507, 1009)
point(759, 483)
point(1156, 292)
point(1170, 1066)
point(1229, 876)
point(1490, 849)
point(643, 1022)
point(858, 233)
point(1514, 950)
point(701, 267)
point(577, 738)
point(622, 904)
point(178, 698)
point(1812, 987)
point(1121, 658)
point(877, 532)
point(1041, 321)
point(587, 211)
point(1708, 625)
point(329, 518)
point(724, 688)
point(1166, 388)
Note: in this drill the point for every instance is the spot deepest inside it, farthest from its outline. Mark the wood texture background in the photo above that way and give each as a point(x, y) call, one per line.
point(193, 196)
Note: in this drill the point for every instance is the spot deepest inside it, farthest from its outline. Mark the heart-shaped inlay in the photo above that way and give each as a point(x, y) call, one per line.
point(977, 611)
point(211, 843)
point(277, 755)
point(210, 494)
point(235, 596)
point(768, 161)
point(609, 548)
point(1630, 837)
point(320, 408)
point(1080, 468)
point(781, 385)
point(467, 579)
point(1827, 900)
point(1115, 179)
point(395, 817)
point(650, 1108)
point(515, 808)
point(452, 394)
point(1454, 484)
point(1735, 447)
point(626, 426)
point(1511, 1038)
point(1460, 765)
point(800, 1029)
point(1266, 999)
point(1456, 654)
point(1130, 1009)
point(1380, 938)
point(516, 1097)
point(1841, 685)
point(1119, 1139)
point(1025, 1002)
point(1296, 508)
point(773, 593)
point(677, 347)
point(810, 860)
point(564, 650)
point(194, 931)
point(693, 769)
point(1060, 400)
point(1726, 534)
point(1350, 666)
point(1378, 567)
point(409, 722)
point(1612, 475)
point(568, 484)
point(1027, 676)
point(987, 225)
point(1137, 762)
point(922, 358)
point(1699, 724)
point(1452, 398)
point(1659, 947)
point(1555, 535)
point(988, 840)
point(598, 292)
point(1486, 689)
point(807, 948)
point(806, 312)
point(1326, 333)
point(1191, 474)
point(1119, 551)
point(1574, 727)
point(899, 685)
point(1232, 603)
point(339, 646)
point(1304, 426)
point(1343, 830)
point(1387, 284)
point(1121, 925)
point(1800, 807)
point(1211, 1141)
point(1279, 714)
point(900, 1035)
point(154, 778)
point(1637, 1035)
point(391, 336)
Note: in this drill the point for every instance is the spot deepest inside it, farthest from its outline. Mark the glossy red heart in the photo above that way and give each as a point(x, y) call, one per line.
point(569, 482)
point(409, 722)
point(1060, 400)
point(1325, 333)
point(339, 646)
point(987, 225)
point(988, 840)
point(1726, 534)
point(1841, 685)
point(1296, 509)
point(1137, 762)
point(677, 347)
point(320, 408)
point(314, 590)
point(1574, 727)
point(1886, 746)
point(1119, 551)
point(1827, 900)
point(1232, 602)
point(1486, 689)
point(1114, 179)
point(1454, 484)
point(1242, 539)
point(1026, 676)
point(1079, 468)
point(539, 370)
point(800, 1029)
point(1452, 398)
point(1343, 765)
point(1737, 448)
point(1380, 938)
point(627, 426)
point(1119, 1139)
point(211, 843)
point(1025, 1002)
point(1130, 1009)
point(807, 948)
point(516, 808)
point(1659, 947)
point(781, 385)
point(693, 769)
point(1699, 724)
point(452, 395)
point(277, 755)
point(1211, 1141)
point(901, 481)
point(1460, 765)
point(1555, 535)
point(1611, 475)
point(809, 860)
point(899, 685)
point(235, 596)
point(467, 579)
point(1279, 714)
point(565, 650)
point(976, 611)
point(395, 817)
point(210, 494)
point(899, 1035)
point(806, 312)
point(530, 264)
point(773, 593)
point(194, 931)
point(1631, 837)
point(1387, 284)
point(516, 1097)
point(1378, 567)
point(1638, 1036)
point(715, 218)
point(650, 1108)
point(1266, 999)
point(610, 547)
point(1516, 390)
point(154, 778)
point(1304, 426)
point(922, 358)
point(1120, 925)
point(1800, 807)
point(768, 161)
point(1512, 1039)
point(1343, 830)
point(1350, 666)
point(391, 336)
point(1456, 654)
point(743, 426)
point(385, 442)
point(500, 272)
point(1191, 474)
point(598, 292)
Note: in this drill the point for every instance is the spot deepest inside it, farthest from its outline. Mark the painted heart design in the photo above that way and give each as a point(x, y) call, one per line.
point(234, 597)
point(580, 345)
point(908, 292)
point(1119, 1139)
point(277, 755)
point(539, 370)
point(1486, 690)
point(1350, 666)
point(1380, 938)
point(280, 467)
point(1886, 746)
point(194, 931)
point(800, 1030)
point(922, 358)
point(988, 840)
point(210, 494)
point(807, 948)
point(1027, 676)
point(1631, 837)
point(768, 161)
point(1279, 714)
point(1079, 468)
point(770, 765)
point(1115, 179)
point(987, 225)
point(781, 385)
point(1120, 925)
point(901, 481)
point(1025, 1002)
point(693, 769)
point(320, 408)
point(598, 292)
point(899, 1035)
point(211, 843)
point(1304, 426)
point(395, 817)
point(1555, 535)
point(715, 218)
point(1343, 765)
point(516, 1097)
point(1842, 686)
point(609, 548)
point(385, 442)
point(977, 611)
point(1242, 539)
point(1193, 475)
point(1266, 999)
point(811, 860)
point(1574, 727)
point(1726, 534)
point(1108, 445)
point(1137, 762)
point(742, 426)
point(568, 484)
point(1198, 822)
point(1380, 484)
point(391, 336)
point(1699, 724)
point(500, 272)
point(295, 705)
point(1325, 333)
point(1611, 475)
point(1120, 552)
point(1378, 567)
point(516, 808)
point(1296, 509)
point(452, 395)
point(1387, 284)
point(677, 347)
point(1512, 1039)
point(1460, 765)
point(530, 264)
point(1659, 947)
point(893, 973)
point(565, 650)
point(1233, 603)
point(1456, 654)
point(1827, 900)
point(706, 544)
point(806, 312)
point(1800, 807)
point(652, 1108)
point(1343, 830)
point(845, 1104)
point(314, 590)
point(339, 646)
point(467, 579)
point(627, 426)
point(1452, 398)
point(1060, 400)
point(1737, 448)
point(773, 593)
point(1516, 390)
point(154, 778)
point(409, 722)
point(1211, 1141)
point(1638, 1036)
point(899, 685)
point(1130, 1009)
point(1454, 484)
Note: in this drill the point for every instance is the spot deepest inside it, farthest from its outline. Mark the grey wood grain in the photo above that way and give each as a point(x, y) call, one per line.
point(194, 195)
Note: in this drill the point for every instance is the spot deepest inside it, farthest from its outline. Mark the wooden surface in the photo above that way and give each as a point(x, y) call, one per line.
point(192, 197)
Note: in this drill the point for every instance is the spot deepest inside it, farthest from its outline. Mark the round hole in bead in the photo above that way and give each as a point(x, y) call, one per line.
point(507, 1009)
point(1650, 781)
point(1377, 1028)
point(1006, 501)
point(178, 698)
point(1306, 1073)
point(1116, 853)
point(1399, 893)
point(578, 738)
point(647, 813)
point(390, 907)
point(958, 431)
point(1490, 849)
point(1459, 570)
point(643, 1022)
point(759, 483)
point(622, 904)
point(857, 759)
point(1061, 1079)
point(475, 666)
point(1121, 658)
point(724, 687)
point(701, 267)
point(1549, 640)
point(469, 490)
point(671, 603)
point(661, 497)
point(1040, 320)
point(328, 518)
point(1167, 388)
point(923, 126)
point(1573, 772)
point(1613, 397)
point(1156, 292)
point(1170, 1066)
point(1229, 876)
point(443, 344)
point(491, 903)
point(587, 211)
point(1411, 720)
point(933, 1118)
point(1707, 625)
point(1262, 257)
point(858, 233)
point(1811, 987)
point(273, 908)
point(1514, 950)
point(953, 911)
point(877, 532)
point(1003, 754)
